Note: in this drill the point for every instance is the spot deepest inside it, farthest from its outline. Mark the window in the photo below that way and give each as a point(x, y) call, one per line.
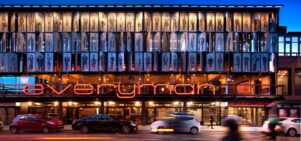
point(297, 81)
point(282, 81)
point(287, 49)
point(281, 49)
point(287, 39)
point(294, 39)
point(294, 49)
point(294, 46)
point(281, 39)
point(281, 46)
point(300, 49)
point(296, 120)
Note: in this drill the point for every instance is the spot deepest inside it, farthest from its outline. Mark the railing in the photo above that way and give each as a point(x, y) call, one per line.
point(142, 89)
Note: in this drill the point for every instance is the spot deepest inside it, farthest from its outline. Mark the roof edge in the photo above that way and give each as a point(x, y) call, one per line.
point(136, 6)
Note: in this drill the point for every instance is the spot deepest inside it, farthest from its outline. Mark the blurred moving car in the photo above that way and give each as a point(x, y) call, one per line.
point(266, 130)
point(291, 126)
point(102, 122)
point(35, 122)
point(177, 122)
point(1, 125)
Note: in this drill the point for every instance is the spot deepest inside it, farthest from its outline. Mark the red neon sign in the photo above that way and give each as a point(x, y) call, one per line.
point(88, 89)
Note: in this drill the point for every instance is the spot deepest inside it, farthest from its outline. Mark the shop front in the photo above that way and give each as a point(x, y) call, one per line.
point(249, 113)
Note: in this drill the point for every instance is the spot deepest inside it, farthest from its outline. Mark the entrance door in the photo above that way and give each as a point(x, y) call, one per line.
point(71, 114)
point(215, 112)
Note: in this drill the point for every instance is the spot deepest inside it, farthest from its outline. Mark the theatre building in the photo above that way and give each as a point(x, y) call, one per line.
point(139, 62)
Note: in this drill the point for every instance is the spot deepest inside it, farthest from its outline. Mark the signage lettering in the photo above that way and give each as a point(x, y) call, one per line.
point(88, 89)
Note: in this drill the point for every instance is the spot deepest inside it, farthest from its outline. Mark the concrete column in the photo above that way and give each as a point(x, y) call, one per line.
point(184, 106)
point(143, 113)
point(60, 111)
point(102, 107)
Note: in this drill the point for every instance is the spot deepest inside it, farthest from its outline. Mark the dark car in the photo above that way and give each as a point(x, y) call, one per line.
point(35, 122)
point(105, 123)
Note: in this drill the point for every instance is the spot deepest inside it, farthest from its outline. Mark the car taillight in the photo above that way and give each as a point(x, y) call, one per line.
point(197, 120)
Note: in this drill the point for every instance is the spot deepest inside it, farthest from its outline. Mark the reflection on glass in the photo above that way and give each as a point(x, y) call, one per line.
point(103, 21)
point(31, 40)
point(210, 22)
point(219, 22)
point(237, 22)
point(121, 22)
point(48, 62)
point(94, 62)
point(156, 18)
point(84, 62)
point(67, 22)
point(31, 22)
point(93, 21)
point(93, 42)
point(39, 22)
point(67, 62)
point(120, 63)
point(22, 22)
point(192, 21)
point(237, 62)
point(219, 62)
point(112, 21)
point(165, 62)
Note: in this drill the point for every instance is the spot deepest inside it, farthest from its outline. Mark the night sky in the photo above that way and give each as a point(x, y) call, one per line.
point(290, 14)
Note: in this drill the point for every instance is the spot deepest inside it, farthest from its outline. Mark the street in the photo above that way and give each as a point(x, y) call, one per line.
point(140, 136)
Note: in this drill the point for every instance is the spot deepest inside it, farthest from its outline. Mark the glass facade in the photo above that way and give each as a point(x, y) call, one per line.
point(87, 60)
point(107, 41)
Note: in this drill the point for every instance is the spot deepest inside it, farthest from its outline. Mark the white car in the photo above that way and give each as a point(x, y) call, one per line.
point(177, 123)
point(1, 125)
point(291, 126)
point(266, 130)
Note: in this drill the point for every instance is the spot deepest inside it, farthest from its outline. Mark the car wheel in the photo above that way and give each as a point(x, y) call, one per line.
point(125, 130)
point(194, 130)
point(45, 130)
point(13, 130)
point(292, 132)
point(84, 129)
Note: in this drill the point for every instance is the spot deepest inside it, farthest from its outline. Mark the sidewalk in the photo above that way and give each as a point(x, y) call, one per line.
point(203, 128)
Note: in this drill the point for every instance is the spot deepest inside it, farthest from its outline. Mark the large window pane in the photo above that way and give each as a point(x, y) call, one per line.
point(294, 49)
point(281, 49)
point(287, 49)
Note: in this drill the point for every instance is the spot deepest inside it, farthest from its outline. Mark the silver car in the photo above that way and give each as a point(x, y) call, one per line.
point(177, 123)
point(291, 126)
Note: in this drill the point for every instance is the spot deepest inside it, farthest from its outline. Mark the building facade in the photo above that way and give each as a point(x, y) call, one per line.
point(289, 73)
point(139, 62)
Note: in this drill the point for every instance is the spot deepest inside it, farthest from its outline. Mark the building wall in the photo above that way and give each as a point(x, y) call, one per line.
point(293, 65)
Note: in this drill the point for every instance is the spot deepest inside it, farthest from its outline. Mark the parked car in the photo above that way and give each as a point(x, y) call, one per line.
point(177, 122)
point(52, 116)
point(35, 122)
point(1, 125)
point(291, 126)
point(102, 122)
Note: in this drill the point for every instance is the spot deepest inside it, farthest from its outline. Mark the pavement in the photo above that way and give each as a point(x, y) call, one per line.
point(203, 128)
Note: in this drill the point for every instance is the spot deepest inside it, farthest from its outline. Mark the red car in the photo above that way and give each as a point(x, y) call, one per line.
point(35, 122)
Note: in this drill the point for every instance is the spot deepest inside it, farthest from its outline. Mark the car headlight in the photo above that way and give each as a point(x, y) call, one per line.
point(50, 122)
